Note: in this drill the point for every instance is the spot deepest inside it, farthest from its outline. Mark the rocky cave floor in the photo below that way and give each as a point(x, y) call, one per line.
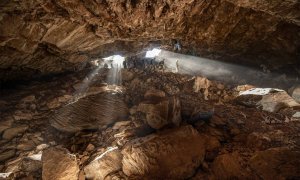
point(230, 139)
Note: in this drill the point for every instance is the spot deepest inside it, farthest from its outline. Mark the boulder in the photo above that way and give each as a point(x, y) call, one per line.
point(160, 110)
point(170, 154)
point(91, 112)
point(268, 99)
point(295, 93)
point(227, 166)
point(106, 163)
point(59, 164)
point(276, 163)
point(13, 132)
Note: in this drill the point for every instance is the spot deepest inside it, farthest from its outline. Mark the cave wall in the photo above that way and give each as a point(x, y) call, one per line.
point(44, 37)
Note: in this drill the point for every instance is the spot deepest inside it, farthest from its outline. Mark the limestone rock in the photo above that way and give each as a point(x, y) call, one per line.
point(13, 132)
point(59, 164)
point(171, 154)
point(202, 83)
point(276, 163)
point(91, 112)
point(103, 165)
point(268, 99)
point(160, 110)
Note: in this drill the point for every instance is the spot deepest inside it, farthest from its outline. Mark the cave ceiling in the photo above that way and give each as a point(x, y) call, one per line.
point(62, 35)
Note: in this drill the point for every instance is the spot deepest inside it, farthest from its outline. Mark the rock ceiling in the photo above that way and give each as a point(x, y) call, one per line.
point(61, 35)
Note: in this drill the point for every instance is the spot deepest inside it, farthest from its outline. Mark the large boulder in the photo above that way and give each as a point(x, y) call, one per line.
point(160, 110)
point(268, 99)
point(171, 154)
point(59, 164)
point(227, 166)
point(103, 165)
point(276, 163)
point(92, 112)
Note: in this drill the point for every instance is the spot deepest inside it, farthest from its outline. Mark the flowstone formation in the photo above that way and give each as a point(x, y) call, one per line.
point(153, 125)
point(49, 37)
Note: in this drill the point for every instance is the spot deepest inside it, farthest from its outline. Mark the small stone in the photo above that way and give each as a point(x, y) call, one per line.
point(29, 98)
point(26, 146)
point(6, 155)
point(42, 147)
point(90, 148)
point(120, 124)
point(13, 132)
point(23, 115)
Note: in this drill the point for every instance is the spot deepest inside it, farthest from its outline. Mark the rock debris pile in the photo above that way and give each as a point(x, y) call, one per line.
point(156, 125)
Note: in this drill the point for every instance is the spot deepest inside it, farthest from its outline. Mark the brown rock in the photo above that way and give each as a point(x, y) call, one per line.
point(276, 163)
point(59, 164)
point(6, 155)
point(171, 154)
point(160, 110)
point(227, 166)
point(13, 132)
point(108, 162)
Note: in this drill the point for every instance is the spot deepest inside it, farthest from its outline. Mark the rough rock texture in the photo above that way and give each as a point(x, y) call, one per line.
point(173, 154)
point(58, 163)
point(91, 112)
point(276, 163)
point(42, 37)
point(160, 110)
point(104, 164)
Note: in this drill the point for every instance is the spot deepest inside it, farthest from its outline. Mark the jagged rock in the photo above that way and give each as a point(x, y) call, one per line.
point(160, 110)
point(30, 165)
point(91, 112)
point(171, 154)
point(227, 166)
point(23, 115)
point(13, 132)
point(6, 155)
point(276, 163)
point(202, 83)
point(59, 164)
point(103, 165)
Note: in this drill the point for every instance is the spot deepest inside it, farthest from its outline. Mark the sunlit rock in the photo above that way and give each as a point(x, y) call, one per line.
point(58, 163)
point(172, 154)
point(92, 112)
point(104, 164)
